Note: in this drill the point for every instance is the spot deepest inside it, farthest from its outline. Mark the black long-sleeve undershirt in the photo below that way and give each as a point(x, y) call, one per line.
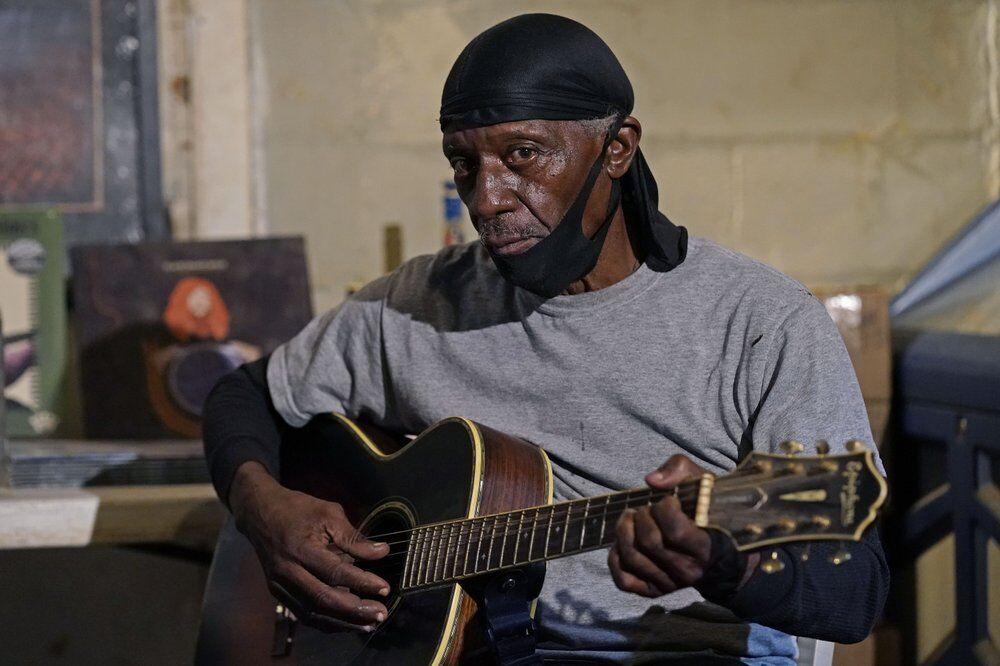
point(810, 596)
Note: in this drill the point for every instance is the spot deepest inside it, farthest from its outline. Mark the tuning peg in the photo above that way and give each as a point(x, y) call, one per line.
point(784, 526)
point(820, 522)
point(842, 555)
point(773, 564)
point(791, 447)
point(855, 446)
point(822, 447)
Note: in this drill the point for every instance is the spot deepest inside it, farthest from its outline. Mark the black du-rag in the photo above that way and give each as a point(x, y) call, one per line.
point(547, 67)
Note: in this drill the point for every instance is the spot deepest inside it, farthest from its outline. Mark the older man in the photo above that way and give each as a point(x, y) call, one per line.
point(585, 322)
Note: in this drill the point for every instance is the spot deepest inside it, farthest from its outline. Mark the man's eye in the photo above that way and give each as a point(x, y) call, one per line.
point(523, 154)
point(459, 165)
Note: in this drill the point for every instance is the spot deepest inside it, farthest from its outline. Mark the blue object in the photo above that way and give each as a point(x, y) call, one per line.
point(974, 247)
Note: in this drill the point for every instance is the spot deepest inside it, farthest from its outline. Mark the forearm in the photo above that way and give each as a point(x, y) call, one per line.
point(240, 425)
point(816, 598)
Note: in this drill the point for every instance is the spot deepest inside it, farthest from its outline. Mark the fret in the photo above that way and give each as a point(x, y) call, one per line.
point(450, 529)
point(604, 517)
point(457, 528)
point(435, 553)
point(511, 534)
point(548, 531)
point(517, 538)
point(492, 563)
point(468, 544)
point(560, 515)
point(565, 531)
point(534, 522)
point(593, 524)
point(428, 555)
point(409, 558)
point(422, 557)
point(503, 543)
point(522, 549)
point(479, 544)
point(583, 522)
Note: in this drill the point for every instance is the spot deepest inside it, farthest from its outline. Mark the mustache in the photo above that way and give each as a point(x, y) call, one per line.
point(495, 227)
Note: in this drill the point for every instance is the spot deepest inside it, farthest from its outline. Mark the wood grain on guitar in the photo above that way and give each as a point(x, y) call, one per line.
point(462, 501)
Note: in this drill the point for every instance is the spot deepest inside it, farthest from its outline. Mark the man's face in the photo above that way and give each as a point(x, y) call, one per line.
point(518, 179)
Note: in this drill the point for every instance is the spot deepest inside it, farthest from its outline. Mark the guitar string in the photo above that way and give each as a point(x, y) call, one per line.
point(622, 497)
point(538, 518)
point(441, 557)
point(480, 531)
point(521, 527)
point(684, 486)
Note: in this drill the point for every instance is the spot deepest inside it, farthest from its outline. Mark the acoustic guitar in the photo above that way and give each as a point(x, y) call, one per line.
point(462, 503)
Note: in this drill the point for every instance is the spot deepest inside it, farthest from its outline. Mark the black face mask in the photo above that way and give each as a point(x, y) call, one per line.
point(564, 256)
point(545, 67)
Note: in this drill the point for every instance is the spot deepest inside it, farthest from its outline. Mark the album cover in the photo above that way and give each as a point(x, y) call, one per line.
point(157, 324)
point(33, 320)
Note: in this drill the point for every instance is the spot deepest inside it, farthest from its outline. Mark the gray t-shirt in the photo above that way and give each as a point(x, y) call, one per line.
point(718, 357)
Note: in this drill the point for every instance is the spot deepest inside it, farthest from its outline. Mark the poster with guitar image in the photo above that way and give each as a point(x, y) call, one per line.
point(157, 324)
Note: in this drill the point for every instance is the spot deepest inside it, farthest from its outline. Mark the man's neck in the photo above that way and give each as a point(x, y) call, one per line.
point(619, 258)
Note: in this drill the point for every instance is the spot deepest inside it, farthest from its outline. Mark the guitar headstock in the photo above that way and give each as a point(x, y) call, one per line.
point(773, 498)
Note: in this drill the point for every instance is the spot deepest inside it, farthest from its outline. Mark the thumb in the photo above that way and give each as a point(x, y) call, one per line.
point(677, 468)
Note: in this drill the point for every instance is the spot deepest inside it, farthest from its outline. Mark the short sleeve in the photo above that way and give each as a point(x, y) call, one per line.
point(334, 364)
point(808, 388)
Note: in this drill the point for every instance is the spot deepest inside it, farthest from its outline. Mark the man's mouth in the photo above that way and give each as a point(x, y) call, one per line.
point(506, 245)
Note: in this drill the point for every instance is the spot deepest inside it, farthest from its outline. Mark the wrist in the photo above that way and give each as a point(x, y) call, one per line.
point(251, 485)
point(727, 570)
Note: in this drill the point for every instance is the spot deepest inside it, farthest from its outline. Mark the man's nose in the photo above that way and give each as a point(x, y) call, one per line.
point(493, 194)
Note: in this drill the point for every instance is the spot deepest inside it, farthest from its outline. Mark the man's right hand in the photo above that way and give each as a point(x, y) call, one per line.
point(307, 547)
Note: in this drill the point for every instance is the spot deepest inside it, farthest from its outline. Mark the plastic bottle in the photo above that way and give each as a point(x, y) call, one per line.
point(453, 215)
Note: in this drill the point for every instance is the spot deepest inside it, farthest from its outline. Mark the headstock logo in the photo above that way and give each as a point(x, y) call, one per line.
point(849, 492)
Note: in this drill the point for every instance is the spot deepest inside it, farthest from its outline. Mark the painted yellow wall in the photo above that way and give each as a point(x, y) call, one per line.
point(841, 141)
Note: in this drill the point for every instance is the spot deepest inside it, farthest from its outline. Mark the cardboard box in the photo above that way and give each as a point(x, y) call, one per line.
point(862, 316)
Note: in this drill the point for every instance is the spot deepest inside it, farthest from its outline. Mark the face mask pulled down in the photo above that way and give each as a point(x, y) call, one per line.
point(567, 254)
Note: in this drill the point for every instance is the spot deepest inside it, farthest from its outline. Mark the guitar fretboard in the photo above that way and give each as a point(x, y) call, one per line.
point(448, 552)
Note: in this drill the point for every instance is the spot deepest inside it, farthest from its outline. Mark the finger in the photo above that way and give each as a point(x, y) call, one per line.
point(634, 562)
point(314, 620)
point(626, 582)
point(679, 532)
point(677, 468)
point(354, 543)
point(334, 570)
point(682, 569)
point(313, 596)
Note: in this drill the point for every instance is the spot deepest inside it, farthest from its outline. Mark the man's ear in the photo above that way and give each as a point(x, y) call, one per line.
point(622, 150)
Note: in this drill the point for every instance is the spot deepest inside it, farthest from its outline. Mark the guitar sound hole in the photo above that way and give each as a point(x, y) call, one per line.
point(389, 524)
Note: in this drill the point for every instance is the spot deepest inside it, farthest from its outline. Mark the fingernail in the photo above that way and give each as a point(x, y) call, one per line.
point(384, 591)
point(380, 617)
point(369, 628)
point(380, 544)
point(656, 476)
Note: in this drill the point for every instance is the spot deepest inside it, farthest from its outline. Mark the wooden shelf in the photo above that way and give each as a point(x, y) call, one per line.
point(186, 515)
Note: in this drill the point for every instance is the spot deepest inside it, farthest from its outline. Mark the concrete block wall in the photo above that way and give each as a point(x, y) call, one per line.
point(841, 141)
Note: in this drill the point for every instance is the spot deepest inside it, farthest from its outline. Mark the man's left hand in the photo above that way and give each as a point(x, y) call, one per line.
point(658, 548)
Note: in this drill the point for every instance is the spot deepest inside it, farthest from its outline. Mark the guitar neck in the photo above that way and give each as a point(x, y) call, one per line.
point(448, 552)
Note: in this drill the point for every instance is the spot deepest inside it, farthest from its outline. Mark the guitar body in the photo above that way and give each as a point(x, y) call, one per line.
point(455, 469)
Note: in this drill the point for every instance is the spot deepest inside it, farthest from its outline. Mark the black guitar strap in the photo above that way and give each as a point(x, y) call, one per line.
point(505, 604)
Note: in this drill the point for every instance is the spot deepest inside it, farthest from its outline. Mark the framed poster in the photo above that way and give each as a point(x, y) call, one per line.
point(33, 312)
point(157, 324)
point(78, 123)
